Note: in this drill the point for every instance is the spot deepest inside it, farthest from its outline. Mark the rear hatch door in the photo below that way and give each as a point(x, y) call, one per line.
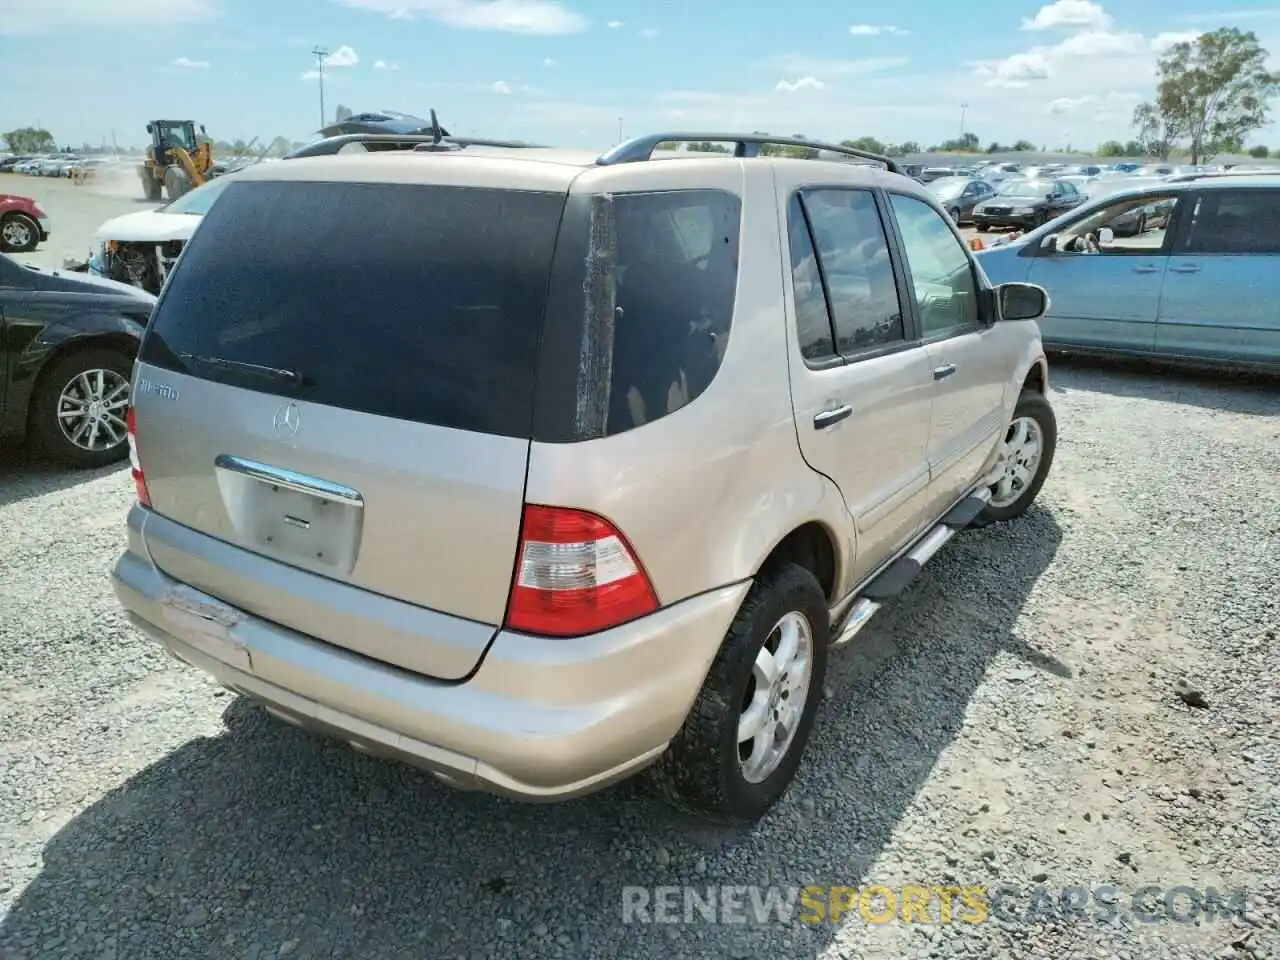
point(336, 391)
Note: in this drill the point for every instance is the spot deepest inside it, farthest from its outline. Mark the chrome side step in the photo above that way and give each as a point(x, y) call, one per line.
point(901, 573)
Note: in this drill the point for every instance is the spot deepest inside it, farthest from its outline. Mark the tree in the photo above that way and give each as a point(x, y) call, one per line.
point(26, 140)
point(1024, 146)
point(968, 143)
point(1132, 148)
point(1156, 133)
point(342, 113)
point(905, 149)
point(870, 144)
point(279, 147)
point(1212, 93)
point(1259, 152)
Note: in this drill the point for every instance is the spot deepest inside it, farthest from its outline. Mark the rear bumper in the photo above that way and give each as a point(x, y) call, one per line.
point(540, 719)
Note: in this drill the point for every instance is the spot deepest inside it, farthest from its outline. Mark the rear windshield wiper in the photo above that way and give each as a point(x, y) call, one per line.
point(275, 373)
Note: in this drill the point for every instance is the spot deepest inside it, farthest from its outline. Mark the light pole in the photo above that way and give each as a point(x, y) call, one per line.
point(320, 53)
point(620, 129)
point(964, 108)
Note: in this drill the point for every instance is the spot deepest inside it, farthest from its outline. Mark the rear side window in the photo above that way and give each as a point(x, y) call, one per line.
point(1239, 221)
point(853, 256)
point(640, 310)
point(421, 303)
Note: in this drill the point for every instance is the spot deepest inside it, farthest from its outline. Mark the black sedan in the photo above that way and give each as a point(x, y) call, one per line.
point(959, 195)
point(1026, 203)
point(67, 343)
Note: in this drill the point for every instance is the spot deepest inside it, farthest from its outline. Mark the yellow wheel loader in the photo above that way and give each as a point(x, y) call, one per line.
point(177, 159)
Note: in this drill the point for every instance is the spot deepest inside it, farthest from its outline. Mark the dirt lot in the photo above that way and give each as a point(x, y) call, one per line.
point(75, 213)
point(1082, 703)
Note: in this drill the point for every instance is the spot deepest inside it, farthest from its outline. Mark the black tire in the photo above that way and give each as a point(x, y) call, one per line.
point(1042, 218)
point(1034, 405)
point(954, 214)
point(44, 425)
point(151, 188)
point(983, 227)
point(19, 233)
point(700, 772)
point(176, 183)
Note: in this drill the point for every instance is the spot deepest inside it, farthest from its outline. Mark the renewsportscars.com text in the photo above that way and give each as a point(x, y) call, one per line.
point(926, 904)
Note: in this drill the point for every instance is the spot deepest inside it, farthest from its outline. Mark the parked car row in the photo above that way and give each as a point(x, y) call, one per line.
point(52, 165)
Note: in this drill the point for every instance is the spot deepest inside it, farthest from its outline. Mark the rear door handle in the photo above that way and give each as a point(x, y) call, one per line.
point(1146, 268)
point(829, 418)
point(1187, 268)
point(944, 371)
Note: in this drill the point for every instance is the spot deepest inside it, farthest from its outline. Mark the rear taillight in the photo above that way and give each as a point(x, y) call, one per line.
point(139, 481)
point(575, 574)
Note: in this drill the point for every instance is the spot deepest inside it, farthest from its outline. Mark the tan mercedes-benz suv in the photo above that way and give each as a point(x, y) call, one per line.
point(541, 470)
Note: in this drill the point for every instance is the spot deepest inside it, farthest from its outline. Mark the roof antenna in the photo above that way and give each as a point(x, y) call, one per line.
point(436, 133)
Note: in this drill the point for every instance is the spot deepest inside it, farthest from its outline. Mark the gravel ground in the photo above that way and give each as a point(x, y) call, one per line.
point(1017, 718)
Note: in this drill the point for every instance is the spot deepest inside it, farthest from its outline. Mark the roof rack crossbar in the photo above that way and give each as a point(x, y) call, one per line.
point(403, 141)
point(641, 148)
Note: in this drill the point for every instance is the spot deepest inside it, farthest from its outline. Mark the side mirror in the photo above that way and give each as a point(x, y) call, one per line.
point(1049, 242)
point(1022, 301)
point(151, 128)
point(1049, 196)
point(1106, 235)
point(202, 130)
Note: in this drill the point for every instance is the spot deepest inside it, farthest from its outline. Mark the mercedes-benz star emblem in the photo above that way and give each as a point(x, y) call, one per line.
point(286, 421)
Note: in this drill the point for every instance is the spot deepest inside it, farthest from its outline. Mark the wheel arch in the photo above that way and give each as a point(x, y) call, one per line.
point(1037, 378)
point(116, 341)
point(811, 545)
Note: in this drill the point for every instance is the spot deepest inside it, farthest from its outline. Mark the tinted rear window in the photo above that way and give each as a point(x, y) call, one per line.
point(422, 303)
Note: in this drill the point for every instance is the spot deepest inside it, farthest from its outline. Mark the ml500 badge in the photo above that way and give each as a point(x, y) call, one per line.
point(162, 390)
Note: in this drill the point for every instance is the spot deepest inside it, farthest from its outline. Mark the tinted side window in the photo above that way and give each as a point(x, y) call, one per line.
point(854, 255)
point(941, 274)
point(434, 315)
point(675, 279)
point(813, 320)
point(1243, 221)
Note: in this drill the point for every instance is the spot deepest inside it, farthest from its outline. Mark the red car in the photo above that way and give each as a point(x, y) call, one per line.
point(23, 224)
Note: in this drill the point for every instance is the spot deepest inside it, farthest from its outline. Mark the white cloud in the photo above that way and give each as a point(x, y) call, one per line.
point(1072, 14)
point(648, 33)
point(808, 66)
point(186, 63)
point(1076, 57)
point(383, 65)
point(1099, 43)
point(1017, 70)
point(615, 24)
point(533, 17)
point(32, 17)
point(1105, 106)
point(344, 56)
point(804, 83)
point(1163, 42)
point(872, 30)
point(501, 86)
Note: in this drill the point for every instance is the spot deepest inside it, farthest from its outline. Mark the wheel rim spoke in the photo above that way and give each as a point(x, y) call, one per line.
point(90, 410)
point(781, 677)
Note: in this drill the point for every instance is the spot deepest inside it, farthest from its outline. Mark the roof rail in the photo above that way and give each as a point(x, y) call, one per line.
point(394, 141)
point(639, 149)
